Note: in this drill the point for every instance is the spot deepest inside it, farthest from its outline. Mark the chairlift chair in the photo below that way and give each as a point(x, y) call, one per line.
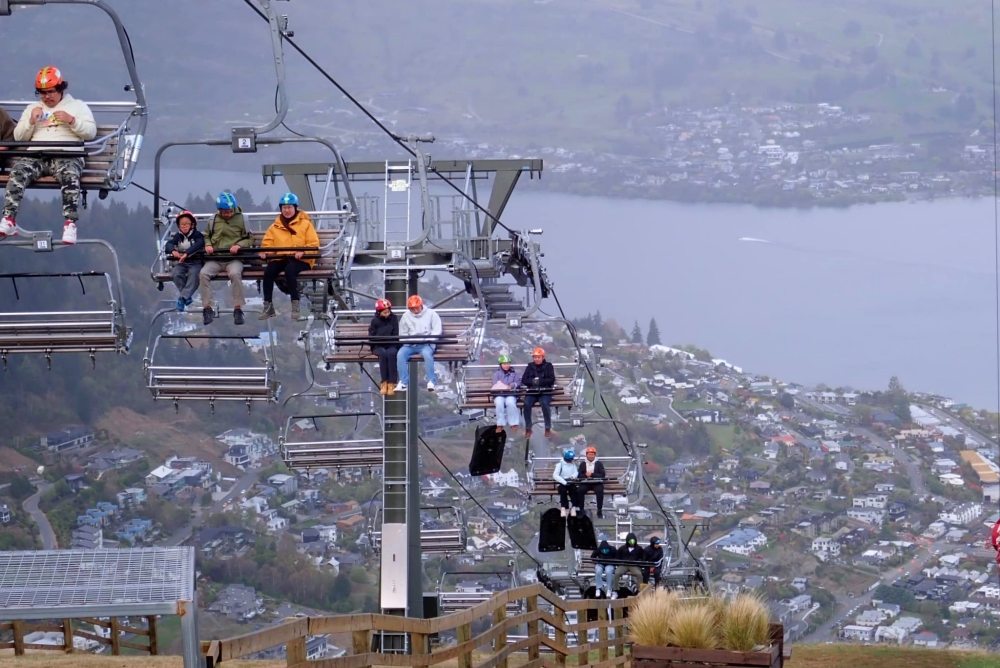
point(68, 331)
point(249, 384)
point(447, 541)
point(462, 332)
point(332, 453)
point(456, 601)
point(111, 157)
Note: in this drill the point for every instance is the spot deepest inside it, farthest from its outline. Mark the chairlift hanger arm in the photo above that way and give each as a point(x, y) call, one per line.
point(123, 40)
point(267, 141)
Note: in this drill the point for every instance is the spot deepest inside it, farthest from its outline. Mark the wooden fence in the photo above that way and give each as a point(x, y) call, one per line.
point(70, 629)
point(533, 607)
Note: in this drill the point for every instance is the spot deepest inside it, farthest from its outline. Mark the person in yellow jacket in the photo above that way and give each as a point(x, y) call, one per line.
point(291, 229)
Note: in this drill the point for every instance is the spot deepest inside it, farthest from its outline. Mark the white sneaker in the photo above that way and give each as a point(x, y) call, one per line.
point(69, 233)
point(8, 228)
point(614, 595)
point(572, 511)
point(563, 512)
point(430, 386)
point(400, 387)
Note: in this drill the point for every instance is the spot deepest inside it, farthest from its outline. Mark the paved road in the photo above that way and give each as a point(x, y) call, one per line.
point(182, 534)
point(846, 604)
point(902, 457)
point(30, 505)
point(953, 421)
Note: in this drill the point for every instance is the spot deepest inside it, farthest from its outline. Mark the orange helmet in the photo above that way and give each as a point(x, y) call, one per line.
point(414, 302)
point(591, 449)
point(48, 77)
point(538, 351)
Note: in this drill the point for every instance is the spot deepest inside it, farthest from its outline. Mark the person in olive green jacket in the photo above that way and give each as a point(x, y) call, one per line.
point(227, 233)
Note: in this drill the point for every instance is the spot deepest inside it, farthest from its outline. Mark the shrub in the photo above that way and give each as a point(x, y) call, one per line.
point(693, 626)
point(650, 618)
point(744, 623)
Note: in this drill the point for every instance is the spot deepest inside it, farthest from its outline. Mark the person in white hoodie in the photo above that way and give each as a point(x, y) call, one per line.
point(57, 117)
point(422, 326)
point(566, 474)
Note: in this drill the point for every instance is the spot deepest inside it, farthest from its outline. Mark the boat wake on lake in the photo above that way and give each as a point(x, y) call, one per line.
point(756, 241)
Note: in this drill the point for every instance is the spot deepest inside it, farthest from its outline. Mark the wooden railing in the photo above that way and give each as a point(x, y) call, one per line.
point(541, 612)
point(116, 627)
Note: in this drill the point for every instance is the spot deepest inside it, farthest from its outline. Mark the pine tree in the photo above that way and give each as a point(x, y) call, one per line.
point(653, 335)
point(636, 333)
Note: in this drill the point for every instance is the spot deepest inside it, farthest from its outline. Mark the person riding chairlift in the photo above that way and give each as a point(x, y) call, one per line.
point(566, 474)
point(592, 469)
point(424, 324)
point(226, 233)
point(505, 379)
point(187, 246)
point(539, 376)
point(291, 229)
point(56, 118)
point(384, 330)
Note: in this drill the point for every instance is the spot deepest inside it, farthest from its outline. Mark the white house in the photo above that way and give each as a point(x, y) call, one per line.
point(861, 633)
point(508, 479)
point(877, 501)
point(963, 513)
point(866, 516)
point(825, 548)
point(742, 541)
point(276, 523)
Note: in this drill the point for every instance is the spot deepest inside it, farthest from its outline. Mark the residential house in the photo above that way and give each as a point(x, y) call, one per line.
point(962, 513)
point(508, 479)
point(924, 639)
point(284, 483)
point(70, 438)
point(741, 541)
point(76, 481)
point(870, 517)
point(110, 460)
point(859, 633)
point(238, 602)
point(4, 514)
point(87, 538)
point(824, 548)
point(877, 501)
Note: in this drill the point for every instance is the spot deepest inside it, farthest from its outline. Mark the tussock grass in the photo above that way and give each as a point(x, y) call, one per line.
point(693, 626)
point(743, 623)
point(650, 618)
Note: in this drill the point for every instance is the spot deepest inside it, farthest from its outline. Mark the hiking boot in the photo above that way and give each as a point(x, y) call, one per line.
point(207, 316)
point(238, 318)
point(383, 388)
point(267, 311)
point(296, 312)
point(390, 389)
point(69, 233)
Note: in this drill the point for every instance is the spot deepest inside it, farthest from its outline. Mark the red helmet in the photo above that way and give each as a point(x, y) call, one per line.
point(382, 304)
point(537, 351)
point(590, 449)
point(414, 302)
point(48, 77)
point(189, 216)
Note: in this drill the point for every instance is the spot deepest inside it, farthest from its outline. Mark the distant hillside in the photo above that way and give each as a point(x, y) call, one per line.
point(576, 74)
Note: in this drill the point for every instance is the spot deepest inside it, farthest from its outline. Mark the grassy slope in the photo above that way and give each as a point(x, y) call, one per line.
point(803, 656)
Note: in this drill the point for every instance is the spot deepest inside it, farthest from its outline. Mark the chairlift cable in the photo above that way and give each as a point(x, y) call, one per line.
point(377, 122)
point(607, 408)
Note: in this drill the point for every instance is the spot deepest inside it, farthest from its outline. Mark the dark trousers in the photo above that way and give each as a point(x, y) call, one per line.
point(569, 494)
point(292, 269)
point(597, 489)
point(651, 573)
point(387, 369)
point(529, 402)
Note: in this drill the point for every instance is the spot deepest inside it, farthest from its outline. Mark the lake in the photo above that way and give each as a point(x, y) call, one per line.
point(840, 296)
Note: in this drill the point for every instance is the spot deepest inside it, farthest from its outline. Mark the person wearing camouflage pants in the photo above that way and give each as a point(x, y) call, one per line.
point(58, 122)
point(66, 172)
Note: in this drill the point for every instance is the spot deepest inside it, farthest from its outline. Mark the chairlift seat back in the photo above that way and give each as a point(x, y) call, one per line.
point(581, 532)
point(552, 531)
point(487, 452)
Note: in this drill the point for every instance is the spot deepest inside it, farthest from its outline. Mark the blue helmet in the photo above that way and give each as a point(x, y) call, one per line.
point(225, 201)
point(289, 198)
point(602, 536)
point(569, 455)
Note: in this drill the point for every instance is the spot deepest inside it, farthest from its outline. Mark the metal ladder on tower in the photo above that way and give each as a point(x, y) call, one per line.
point(396, 202)
point(395, 473)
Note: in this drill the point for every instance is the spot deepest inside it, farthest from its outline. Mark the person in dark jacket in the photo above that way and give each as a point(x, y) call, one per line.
point(384, 330)
point(538, 378)
point(593, 469)
point(187, 246)
point(630, 551)
point(603, 571)
point(653, 553)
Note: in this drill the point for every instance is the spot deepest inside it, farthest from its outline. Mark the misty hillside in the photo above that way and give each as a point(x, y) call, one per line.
point(579, 73)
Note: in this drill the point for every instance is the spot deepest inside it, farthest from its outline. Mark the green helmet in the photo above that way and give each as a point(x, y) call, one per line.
point(505, 359)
